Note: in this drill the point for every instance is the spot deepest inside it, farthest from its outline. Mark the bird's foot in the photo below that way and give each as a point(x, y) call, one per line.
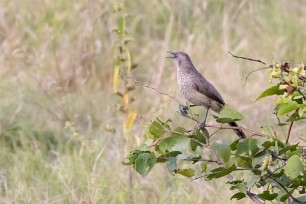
point(183, 109)
point(202, 125)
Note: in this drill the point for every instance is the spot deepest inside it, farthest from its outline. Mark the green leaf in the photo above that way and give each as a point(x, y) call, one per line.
point(234, 145)
point(229, 115)
point(302, 90)
point(238, 196)
point(156, 129)
point(220, 172)
point(173, 143)
point(204, 167)
point(253, 146)
point(252, 182)
point(241, 187)
point(201, 137)
point(132, 157)
point(272, 142)
point(294, 117)
point(287, 108)
point(144, 163)
point(259, 158)
point(267, 196)
point(242, 147)
point(301, 199)
point(171, 164)
point(186, 172)
point(144, 148)
point(180, 130)
point(274, 90)
point(293, 167)
point(174, 153)
point(161, 159)
point(223, 150)
point(164, 158)
point(244, 162)
point(193, 144)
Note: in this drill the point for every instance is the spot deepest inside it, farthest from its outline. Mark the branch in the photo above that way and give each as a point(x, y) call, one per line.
point(285, 189)
point(239, 128)
point(246, 58)
point(289, 131)
point(155, 89)
point(249, 74)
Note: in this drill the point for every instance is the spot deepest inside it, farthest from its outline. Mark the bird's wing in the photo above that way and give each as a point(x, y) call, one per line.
point(207, 89)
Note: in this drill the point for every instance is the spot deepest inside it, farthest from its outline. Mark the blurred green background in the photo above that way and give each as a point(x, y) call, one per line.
point(55, 67)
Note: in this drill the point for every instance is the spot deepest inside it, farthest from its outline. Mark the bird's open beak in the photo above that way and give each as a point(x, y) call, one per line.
point(172, 55)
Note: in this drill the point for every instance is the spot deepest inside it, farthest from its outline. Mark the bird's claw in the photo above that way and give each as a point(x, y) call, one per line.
point(202, 125)
point(183, 109)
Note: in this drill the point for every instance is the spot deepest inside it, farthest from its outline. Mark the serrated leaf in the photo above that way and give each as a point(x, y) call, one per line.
point(267, 196)
point(293, 167)
point(238, 196)
point(287, 108)
point(144, 163)
point(274, 90)
point(229, 115)
point(223, 150)
point(186, 172)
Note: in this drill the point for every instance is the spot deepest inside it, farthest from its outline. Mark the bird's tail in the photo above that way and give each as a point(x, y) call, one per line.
point(239, 132)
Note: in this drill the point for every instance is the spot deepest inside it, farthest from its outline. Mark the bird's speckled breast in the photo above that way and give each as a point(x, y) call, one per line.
point(184, 82)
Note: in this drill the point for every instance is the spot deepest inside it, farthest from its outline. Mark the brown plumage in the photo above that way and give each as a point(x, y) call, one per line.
point(196, 88)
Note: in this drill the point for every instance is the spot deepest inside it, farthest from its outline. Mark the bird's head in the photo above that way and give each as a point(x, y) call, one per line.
point(179, 58)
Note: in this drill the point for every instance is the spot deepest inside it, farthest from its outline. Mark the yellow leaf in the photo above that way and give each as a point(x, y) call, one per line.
point(116, 78)
point(130, 120)
point(129, 60)
point(125, 98)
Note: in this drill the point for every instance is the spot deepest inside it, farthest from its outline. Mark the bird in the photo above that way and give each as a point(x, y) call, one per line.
point(196, 89)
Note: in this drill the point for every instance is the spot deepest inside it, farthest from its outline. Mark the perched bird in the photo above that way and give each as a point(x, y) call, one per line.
point(197, 89)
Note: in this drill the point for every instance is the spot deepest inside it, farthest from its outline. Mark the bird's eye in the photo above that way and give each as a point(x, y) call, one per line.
point(176, 55)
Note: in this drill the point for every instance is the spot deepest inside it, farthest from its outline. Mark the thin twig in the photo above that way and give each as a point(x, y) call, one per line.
point(246, 58)
point(239, 128)
point(285, 189)
point(289, 131)
point(155, 89)
point(206, 160)
point(249, 74)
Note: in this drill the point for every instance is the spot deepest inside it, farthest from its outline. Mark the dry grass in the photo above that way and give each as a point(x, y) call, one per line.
point(55, 67)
